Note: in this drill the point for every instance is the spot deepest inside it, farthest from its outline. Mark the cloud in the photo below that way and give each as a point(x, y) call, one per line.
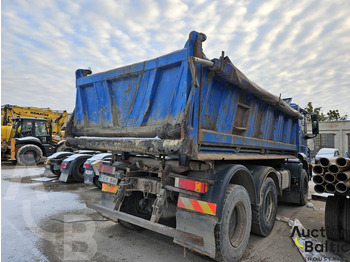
point(299, 49)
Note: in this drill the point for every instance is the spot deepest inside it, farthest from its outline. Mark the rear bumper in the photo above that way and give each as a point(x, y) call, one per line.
point(115, 215)
point(142, 145)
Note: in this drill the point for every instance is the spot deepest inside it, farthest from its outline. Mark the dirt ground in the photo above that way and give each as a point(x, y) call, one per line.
point(48, 221)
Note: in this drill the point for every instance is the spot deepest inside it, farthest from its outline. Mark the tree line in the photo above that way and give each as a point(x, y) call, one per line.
point(331, 115)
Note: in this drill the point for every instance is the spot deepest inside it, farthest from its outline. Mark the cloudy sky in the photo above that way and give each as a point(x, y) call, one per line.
point(298, 49)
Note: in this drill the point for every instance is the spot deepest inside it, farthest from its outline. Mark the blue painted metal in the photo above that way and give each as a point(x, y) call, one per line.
point(159, 98)
point(302, 131)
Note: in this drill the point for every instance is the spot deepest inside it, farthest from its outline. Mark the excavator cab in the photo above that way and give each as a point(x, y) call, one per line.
point(31, 127)
point(30, 139)
point(30, 133)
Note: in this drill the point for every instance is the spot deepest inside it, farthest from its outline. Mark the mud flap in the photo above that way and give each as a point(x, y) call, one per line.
point(47, 171)
point(107, 200)
point(199, 225)
point(64, 177)
point(115, 215)
point(89, 177)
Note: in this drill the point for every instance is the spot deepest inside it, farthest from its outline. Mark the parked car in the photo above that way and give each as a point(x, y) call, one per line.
point(72, 167)
point(326, 153)
point(91, 166)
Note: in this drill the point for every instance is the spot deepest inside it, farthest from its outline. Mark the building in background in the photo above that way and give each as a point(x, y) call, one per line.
point(333, 134)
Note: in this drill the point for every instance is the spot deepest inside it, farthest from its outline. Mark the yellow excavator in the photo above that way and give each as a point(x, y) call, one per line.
point(29, 133)
point(9, 112)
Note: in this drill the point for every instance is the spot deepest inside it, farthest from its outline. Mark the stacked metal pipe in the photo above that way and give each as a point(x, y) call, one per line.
point(332, 175)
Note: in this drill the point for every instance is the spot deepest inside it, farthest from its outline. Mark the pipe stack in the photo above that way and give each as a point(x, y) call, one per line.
point(332, 177)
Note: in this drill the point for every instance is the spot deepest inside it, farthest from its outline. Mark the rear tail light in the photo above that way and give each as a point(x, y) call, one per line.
point(106, 169)
point(192, 185)
point(86, 165)
point(64, 165)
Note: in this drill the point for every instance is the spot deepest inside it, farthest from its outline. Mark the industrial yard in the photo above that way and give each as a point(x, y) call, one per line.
point(175, 131)
point(40, 222)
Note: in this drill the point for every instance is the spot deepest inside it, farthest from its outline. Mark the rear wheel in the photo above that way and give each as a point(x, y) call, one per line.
point(78, 170)
point(29, 155)
point(333, 216)
point(346, 220)
point(232, 234)
point(97, 183)
point(264, 216)
point(136, 205)
point(57, 172)
point(304, 188)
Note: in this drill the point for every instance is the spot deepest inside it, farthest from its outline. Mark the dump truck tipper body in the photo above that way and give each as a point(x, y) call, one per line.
point(173, 105)
point(196, 133)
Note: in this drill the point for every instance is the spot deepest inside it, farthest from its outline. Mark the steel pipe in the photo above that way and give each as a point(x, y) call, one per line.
point(342, 187)
point(317, 169)
point(333, 168)
point(325, 162)
point(330, 188)
point(343, 176)
point(319, 189)
point(203, 61)
point(343, 162)
point(330, 178)
point(318, 179)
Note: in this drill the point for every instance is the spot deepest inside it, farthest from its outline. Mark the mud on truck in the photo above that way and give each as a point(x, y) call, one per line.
point(196, 141)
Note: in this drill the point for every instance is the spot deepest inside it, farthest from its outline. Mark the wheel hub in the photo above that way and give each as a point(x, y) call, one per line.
point(237, 224)
point(269, 206)
point(29, 155)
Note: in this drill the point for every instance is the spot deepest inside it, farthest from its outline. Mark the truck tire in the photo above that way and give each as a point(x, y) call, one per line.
point(29, 155)
point(78, 170)
point(97, 183)
point(304, 188)
point(264, 216)
point(333, 216)
point(346, 220)
point(131, 205)
point(232, 233)
point(56, 172)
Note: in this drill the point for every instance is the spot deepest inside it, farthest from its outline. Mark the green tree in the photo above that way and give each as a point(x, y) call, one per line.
point(332, 115)
point(316, 110)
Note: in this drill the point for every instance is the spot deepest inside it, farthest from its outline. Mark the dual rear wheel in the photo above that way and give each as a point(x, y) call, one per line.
point(239, 218)
point(264, 216)
point(232, 234)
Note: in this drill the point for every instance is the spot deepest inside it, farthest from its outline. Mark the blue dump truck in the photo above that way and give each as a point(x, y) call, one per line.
point(200, 153)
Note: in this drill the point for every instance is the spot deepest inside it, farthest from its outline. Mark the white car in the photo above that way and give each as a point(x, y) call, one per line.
point(327, 153)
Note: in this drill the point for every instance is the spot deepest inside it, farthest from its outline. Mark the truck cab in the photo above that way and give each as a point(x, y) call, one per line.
point(304, 153)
